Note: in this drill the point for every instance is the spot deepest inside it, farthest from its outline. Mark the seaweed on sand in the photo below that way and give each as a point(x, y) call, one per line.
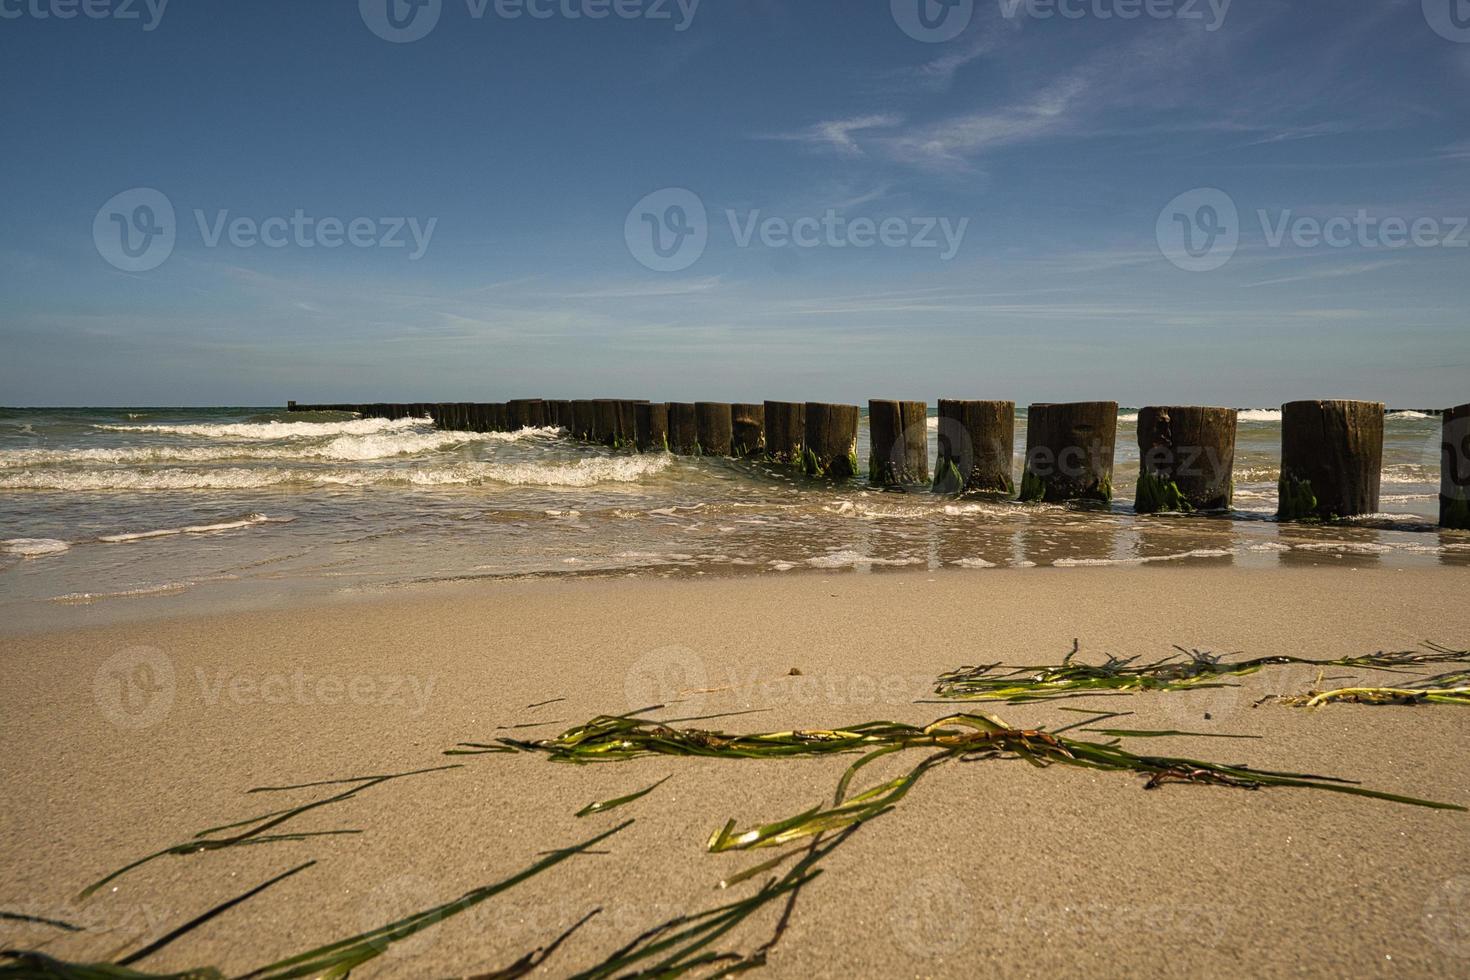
point(1450, 688)
point(1186, 670)
point(255, 828)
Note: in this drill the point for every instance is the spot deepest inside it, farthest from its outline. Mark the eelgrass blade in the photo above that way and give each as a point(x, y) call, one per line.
point(1379, 696)
point(1186, 670)
point(40, 920)
point(607, 805)
point(381, 778)
point(31, 965)
point(1159, 733)
point(257, 827)
point(526, 964)
point(339, 958)
point(200, 920)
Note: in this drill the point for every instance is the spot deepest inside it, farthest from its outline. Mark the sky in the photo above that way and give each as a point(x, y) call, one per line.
point(1150, 201)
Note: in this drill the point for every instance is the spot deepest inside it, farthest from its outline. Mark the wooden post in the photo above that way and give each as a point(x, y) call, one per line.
point(527, 413)
point(626, 436)
point(1331, 459)
point(583, 419)
point(977, 440)
point(291, 406)
point(716, 428)
point(683, 429)
point(784, 424)
point(898, 434)
point(1186, 459)
point(604, 420)
point(1069, 452)
point(829, 441)
point(1454, 469)
point(652, 427)
point(565, 415)
point(748, 430)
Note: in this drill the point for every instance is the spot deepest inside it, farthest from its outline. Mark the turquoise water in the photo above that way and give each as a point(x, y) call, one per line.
point(107, 512)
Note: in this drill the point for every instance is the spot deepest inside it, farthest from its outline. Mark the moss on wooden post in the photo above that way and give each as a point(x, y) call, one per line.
point(785, 425)
point(748, 430)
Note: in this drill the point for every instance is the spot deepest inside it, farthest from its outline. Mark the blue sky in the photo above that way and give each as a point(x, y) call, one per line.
point(1057, 142)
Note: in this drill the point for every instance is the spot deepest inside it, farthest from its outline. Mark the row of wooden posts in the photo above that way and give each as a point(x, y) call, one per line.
point(1331, 451)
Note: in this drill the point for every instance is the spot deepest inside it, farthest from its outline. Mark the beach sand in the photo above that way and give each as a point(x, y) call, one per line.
point(988, 867)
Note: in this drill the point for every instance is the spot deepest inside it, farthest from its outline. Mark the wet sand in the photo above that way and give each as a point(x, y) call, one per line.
point(122, 740)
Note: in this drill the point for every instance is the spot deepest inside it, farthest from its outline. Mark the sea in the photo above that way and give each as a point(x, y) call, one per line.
point(142, 512)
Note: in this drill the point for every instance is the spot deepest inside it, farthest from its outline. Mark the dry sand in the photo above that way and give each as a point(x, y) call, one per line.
point(992, 867)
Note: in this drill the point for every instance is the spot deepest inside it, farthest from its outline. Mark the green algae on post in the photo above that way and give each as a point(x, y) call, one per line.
point(1156, 495)
point(607, 805)
point(1295, 499)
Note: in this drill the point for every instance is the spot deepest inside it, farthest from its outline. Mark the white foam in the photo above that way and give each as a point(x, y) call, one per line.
point(581, 473)
point(275, 430)
point(249, 521)
point(1407, 416)
point(1128, 417)
point(975, 563)
point(1346, 547)
point(1259, 415)
point(1091, 562)
point(852, 559)
point(34, 547)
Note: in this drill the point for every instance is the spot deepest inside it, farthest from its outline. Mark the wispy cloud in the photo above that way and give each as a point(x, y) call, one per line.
point(840, 135)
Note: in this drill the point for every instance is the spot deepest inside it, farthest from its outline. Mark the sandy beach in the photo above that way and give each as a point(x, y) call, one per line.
point(992, 866)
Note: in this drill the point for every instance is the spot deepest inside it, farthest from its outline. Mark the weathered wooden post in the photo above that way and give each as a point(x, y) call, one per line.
point(977, 440)
point(527, 413)
point(652, 427)
point(898, 435)
point(583, 419)
point(565, 415)
point(829, 441)
point(785, 422)
point(1331, 459)
point(747, 430)
point(626, 436)
point(1454, 469)
point(1186, 459)
point(1069, 452)
point(683, 429)
point(716, 425)
point(604, 420)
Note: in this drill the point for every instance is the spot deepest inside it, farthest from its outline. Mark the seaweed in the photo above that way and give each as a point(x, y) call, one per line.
point(603, 807)
point(1296, 500)
point(1158, 494)
point(967, 737)
point(256, 827)
point(1033, 488)
point(1186, 670)
point(947, 477)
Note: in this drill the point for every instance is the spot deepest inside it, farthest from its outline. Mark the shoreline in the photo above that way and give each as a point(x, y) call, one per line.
point(1026, 871)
